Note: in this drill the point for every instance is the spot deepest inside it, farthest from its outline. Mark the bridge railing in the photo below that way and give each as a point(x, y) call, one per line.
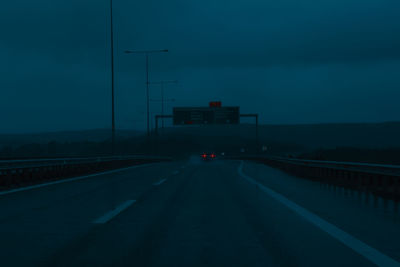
point(377, 178)
point(14, 173)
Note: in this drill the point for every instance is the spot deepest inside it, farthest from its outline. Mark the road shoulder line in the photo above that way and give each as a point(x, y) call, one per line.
point(348, 240)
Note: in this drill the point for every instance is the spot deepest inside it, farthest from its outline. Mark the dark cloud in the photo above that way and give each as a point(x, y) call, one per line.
point(291, 61)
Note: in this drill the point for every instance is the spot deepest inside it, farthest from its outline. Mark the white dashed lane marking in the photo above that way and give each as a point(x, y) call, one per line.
point(159, 182)
point(112, 213)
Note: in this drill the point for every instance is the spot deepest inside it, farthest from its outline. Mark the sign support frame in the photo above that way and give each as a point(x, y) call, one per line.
point(250, 115)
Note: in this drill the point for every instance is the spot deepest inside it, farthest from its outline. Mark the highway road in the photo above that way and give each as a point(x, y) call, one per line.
point(194, 213)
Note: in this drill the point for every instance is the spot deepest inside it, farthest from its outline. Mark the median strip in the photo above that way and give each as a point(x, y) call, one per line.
point(67, 180)
point(112, 213)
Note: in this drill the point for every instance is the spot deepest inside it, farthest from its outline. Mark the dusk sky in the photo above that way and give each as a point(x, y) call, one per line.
point(290, 61)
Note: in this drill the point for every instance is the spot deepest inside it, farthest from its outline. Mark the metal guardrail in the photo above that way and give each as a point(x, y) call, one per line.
point(14, 173)
point(7, 164)
point(343, 165)
point(377, 178)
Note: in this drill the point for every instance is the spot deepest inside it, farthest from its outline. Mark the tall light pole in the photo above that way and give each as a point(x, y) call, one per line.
point(112, 81)
point(147, 52)
point(162, 83)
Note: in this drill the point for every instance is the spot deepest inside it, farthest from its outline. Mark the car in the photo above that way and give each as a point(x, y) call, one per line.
point(208, 156)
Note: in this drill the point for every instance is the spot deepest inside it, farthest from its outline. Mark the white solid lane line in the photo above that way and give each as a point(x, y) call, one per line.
point(70, 179)
point(112, 213)
point(159, 182)
point(358, 246)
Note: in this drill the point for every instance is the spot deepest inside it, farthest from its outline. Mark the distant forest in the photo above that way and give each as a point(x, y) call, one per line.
point(359, 142)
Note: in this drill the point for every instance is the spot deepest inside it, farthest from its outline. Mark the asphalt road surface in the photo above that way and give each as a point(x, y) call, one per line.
point(194, 213)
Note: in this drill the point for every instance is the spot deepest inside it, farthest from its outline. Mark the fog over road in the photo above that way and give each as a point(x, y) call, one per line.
point(194, 213)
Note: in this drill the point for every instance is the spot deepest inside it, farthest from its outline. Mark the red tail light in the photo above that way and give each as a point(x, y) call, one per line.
point(204, 156)
point(213, 155)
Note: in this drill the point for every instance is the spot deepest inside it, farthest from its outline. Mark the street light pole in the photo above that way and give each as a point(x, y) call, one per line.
point(162, 104)
point(147, 94)
point(112, 81)
point(146, 52)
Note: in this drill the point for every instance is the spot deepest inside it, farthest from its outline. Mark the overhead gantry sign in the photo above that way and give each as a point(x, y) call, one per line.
point(214, 114)
point(205, 115)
